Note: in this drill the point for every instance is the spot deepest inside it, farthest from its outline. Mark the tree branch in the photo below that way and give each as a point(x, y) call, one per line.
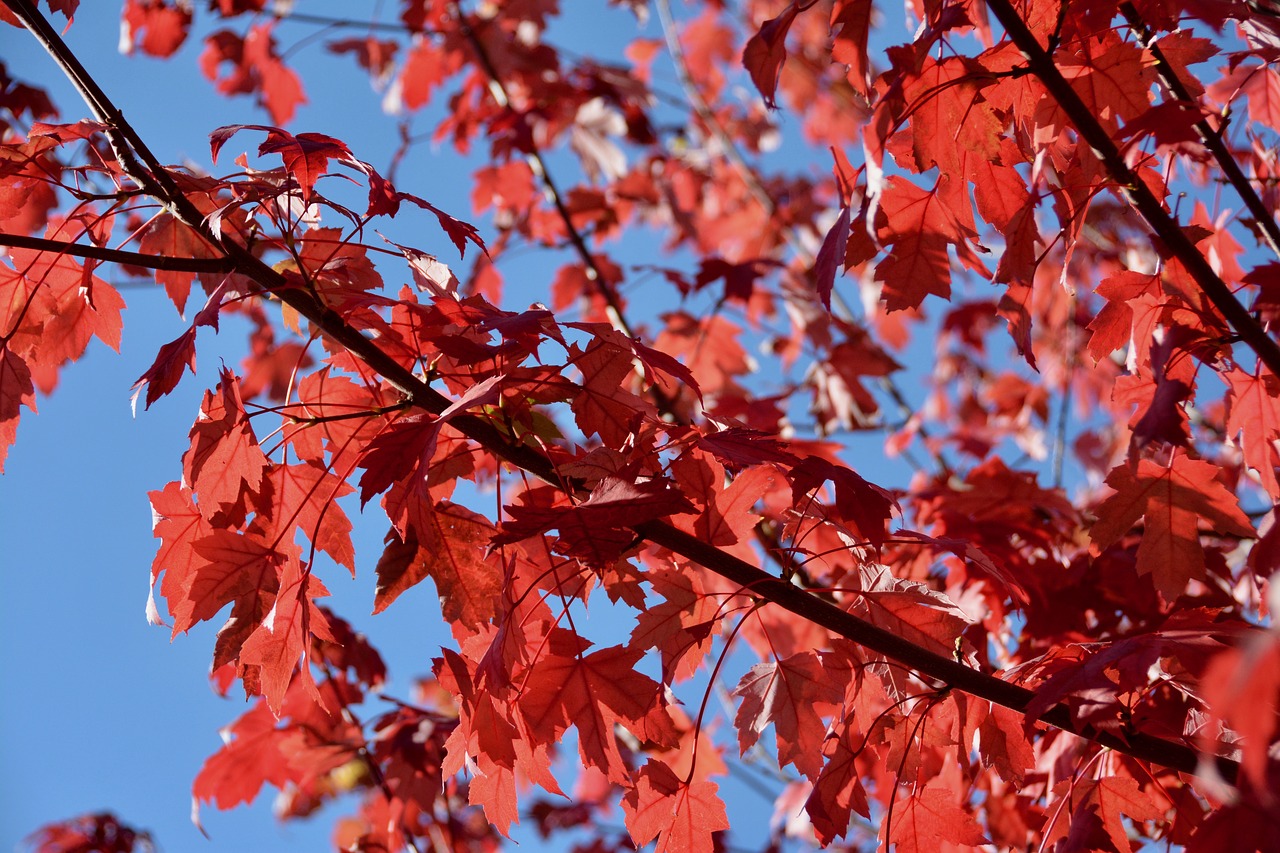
point(1041, 64)
point(753, 581)
point(538, 164)
point(1209, 137)
point(117, 256)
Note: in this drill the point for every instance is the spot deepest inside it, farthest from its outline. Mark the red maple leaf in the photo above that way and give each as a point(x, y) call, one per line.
point(1171, 499)
point(792, 694)
point(256, 69)
point(446, 543)
point(164, 27)
point(276, 646)
point(591, 693)
point(681, 815)
point(1255, 417)
point(930, 816)
point(766, 51)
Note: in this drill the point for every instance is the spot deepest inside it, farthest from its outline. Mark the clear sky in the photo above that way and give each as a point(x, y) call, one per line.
point(101, 711)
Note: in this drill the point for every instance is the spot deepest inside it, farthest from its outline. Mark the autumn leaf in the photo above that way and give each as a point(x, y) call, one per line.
point(1255, 418)
point(590, 692)
point(1171, 499)
point(766, 51)
point(930, 816)
point(277, 645)
point(256, 68)
point(792, 695)
point(681, 815)
point(446, 543)
point(830, 256)
point(163, 27)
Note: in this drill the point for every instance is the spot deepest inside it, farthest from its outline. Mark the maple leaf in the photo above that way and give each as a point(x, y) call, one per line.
point(277, 645)
point(374, 55)
point(165, 372)
point(591, 693)
point(70, 306)
point(230, 565)
point(838, 791)
point(424, 69)
point(15, 384)
point(599, 528)
point(306, 157)
point(224, 779)
point(1169, 498)
point(459, 232)
point(256, 69)
point(1254, 416)
point(224, 460)
point(830, 257)
point(164, 27)
point(446, 543)
point(405, 448)
point(737, 447)
point(739, 279)
point(167, 237)
point(853, 17)
point(1120, 795)
point(728, 518)
point(929, 816)
point(680, 625)
point(922, 225)
point(304, 497)
point(681, 815)
point(864, 505)
point(1003, 744)
point(1241, 688)
point(792, 694)
point(766, 51)
point(909, 609)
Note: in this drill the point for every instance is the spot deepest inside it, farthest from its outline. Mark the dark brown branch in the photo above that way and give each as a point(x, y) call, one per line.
point(1209, 136)
point(117, 256)
point(1170, 754)
point(1176, 241)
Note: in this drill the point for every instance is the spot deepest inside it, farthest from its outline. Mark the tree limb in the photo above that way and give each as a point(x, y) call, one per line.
point(753, 581)
point(117, 256)
point(1165, 226)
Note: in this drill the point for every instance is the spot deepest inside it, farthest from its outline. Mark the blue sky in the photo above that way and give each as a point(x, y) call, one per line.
point(103, 712)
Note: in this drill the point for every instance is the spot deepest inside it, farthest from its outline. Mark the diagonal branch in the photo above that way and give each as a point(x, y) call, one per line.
point(1165, 226)
point(1209, 137)
point(498, 90)
point(117, 256)
point(753, 580)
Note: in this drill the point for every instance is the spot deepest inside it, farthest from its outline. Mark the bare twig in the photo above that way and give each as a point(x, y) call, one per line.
point(117, 256)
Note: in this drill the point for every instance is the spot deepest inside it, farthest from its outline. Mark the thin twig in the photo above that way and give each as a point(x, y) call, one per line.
point(117, 256)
